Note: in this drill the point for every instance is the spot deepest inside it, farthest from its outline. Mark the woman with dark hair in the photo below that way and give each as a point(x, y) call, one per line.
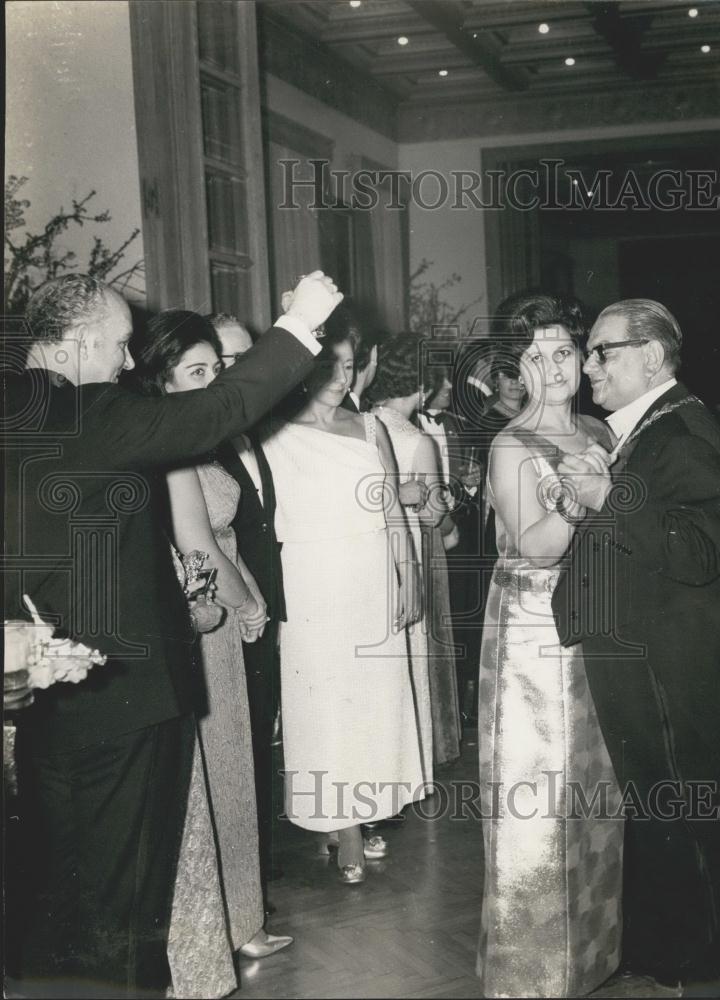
point(551, 901)
point(180, 352)
point(398, 393)
point(352, 752)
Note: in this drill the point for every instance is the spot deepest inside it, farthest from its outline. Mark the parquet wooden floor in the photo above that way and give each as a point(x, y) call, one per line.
point(409, 931)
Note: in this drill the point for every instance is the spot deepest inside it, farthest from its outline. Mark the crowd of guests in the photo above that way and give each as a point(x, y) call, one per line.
point(320, 533)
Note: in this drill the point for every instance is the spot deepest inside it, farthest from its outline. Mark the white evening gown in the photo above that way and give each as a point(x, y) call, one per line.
point(351, 742)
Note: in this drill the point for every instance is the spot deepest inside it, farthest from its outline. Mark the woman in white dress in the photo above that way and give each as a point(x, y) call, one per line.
point(551, 917)
point(351, 743)
point(398, 395)
point(218, 906)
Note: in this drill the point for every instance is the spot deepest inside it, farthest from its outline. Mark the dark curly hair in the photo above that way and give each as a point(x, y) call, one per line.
point(59, 304)
point(399, 370)
point(167, 337)
point(518, 317)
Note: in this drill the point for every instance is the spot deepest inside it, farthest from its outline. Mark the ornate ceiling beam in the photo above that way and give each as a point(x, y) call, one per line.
point(445, 18)
point(625, 35)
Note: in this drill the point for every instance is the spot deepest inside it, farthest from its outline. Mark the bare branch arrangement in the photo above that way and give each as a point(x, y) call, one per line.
point(36, 258)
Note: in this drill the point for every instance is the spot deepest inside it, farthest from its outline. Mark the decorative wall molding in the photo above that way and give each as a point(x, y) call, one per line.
point(305, 63)
point(301, 139)
point(643, 104)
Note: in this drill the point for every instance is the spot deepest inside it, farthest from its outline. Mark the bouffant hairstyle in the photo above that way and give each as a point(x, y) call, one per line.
point(349, 322)
point(519, 316)
point(167, 337)
point(399, 370)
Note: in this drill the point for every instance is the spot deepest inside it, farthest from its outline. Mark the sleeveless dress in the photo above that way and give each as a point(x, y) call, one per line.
point(551, 911)
point(351, 742)
point(432, 636)
point(215, 914)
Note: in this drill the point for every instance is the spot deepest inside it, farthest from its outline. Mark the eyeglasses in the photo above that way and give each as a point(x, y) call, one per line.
point(600, 350)
point(230, 359)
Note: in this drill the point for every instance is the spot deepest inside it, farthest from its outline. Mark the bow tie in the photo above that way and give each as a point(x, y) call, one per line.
point(439, 418)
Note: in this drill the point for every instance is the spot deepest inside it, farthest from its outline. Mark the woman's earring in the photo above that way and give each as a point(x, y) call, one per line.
point(303, 387)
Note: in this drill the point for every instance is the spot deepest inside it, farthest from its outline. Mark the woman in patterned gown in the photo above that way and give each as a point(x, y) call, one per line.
point(551, 917)
point(352, 750)
point(397, 394)
point(218, 906)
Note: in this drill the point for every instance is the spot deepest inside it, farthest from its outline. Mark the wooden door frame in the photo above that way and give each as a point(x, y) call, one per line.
point(166, 72)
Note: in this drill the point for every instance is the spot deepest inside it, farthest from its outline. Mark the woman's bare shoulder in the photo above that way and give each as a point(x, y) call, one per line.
point(508, 448)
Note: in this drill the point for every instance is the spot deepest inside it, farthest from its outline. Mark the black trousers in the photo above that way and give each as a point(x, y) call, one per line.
point(671, 892)
point(262, 672)
point(101, 835)
point(466, 578)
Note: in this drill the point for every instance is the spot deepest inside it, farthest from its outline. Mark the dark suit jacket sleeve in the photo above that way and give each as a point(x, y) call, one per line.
point(675, 531)
point(145, 431)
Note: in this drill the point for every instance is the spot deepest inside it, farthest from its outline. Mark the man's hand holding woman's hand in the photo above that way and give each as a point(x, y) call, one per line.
point(588, 474)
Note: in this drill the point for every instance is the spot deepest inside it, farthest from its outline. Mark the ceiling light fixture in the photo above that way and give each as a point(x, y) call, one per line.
point(442, 72)
point(693, 12)
point(403, 40)
point(569, 61)
point(355, 3)
point(543, 28)
point(705, 49)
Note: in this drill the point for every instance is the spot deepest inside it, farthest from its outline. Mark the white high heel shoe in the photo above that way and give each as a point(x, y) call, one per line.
point(264, 944)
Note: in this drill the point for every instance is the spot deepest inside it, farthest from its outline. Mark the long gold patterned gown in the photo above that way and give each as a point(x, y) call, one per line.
point(551, 912)
point(215, 914)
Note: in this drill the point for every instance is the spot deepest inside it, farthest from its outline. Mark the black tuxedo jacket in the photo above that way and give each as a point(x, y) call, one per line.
point(642, 587)
point(84, 540)
point(254, 525)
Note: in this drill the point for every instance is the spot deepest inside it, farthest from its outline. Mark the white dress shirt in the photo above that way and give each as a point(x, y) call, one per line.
point(437, 433)
point(623, 421)
point(248, 459)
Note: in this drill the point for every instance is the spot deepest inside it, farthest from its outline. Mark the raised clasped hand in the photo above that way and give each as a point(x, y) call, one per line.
point(313, 299)
point(587, 476)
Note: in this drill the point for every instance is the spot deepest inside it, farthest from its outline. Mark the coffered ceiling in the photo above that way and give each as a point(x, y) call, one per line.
point(429, 52)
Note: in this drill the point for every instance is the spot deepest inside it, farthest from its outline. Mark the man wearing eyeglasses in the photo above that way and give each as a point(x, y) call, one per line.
point(642, 593)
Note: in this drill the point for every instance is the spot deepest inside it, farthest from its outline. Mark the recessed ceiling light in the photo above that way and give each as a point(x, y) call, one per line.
point(355, 3)
point(442, 72)
point(543, 28)
point(693, 12)
point(403, 40)
point(569, 61)
point(705, 49)
point(474, 34)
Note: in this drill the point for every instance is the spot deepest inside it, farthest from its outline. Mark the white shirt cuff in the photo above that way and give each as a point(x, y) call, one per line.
point(300, 330)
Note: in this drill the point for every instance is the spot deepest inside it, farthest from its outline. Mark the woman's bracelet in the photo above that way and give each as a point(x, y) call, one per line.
point(561, 509)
